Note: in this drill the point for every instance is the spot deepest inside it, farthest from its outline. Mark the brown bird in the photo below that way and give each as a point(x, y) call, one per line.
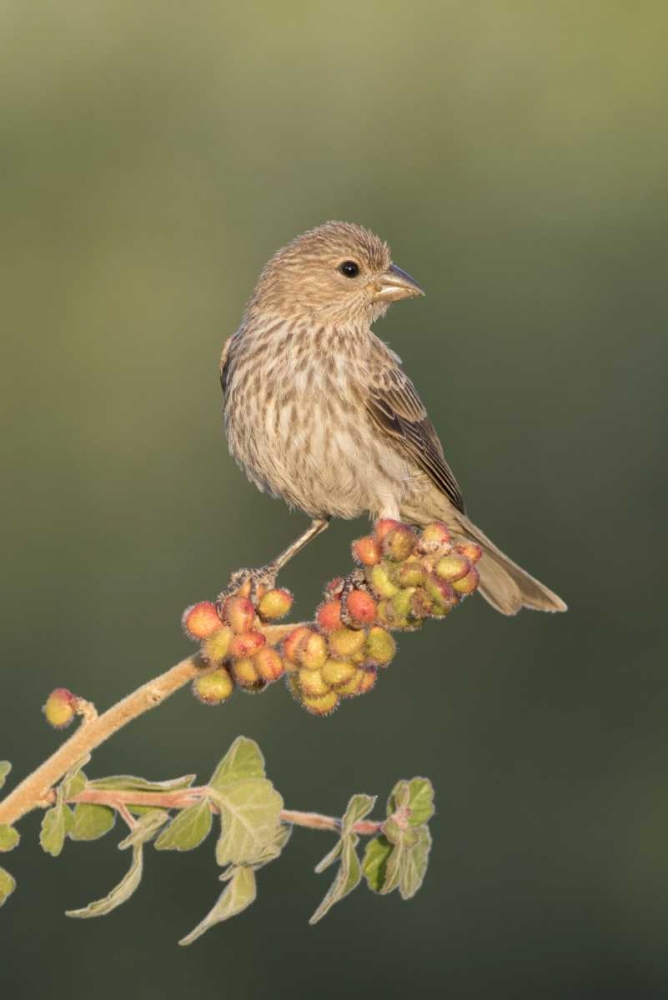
point(319, 411)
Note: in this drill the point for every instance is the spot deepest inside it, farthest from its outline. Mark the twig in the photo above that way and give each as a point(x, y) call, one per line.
point(95, 730)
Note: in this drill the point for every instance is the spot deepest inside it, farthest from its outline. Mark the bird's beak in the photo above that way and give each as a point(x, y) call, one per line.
point(395, 284)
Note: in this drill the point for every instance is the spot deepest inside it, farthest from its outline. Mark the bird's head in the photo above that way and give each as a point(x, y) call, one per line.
point(339, 272)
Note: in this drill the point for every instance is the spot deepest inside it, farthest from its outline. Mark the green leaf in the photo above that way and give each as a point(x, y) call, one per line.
point(250, 813)
point(275, 846)
point(91, 821)
point(145, 829)
point(414, 865)
point(358, 809)
point(330, 858)
point(376, 854)
point(399, 797)
point(7, 885)
point(243, 760)
point(347, 878)
point(119, 894)
point(188, 829)
point(420, 801)
point(237, 895)
point(56, 825)
point(130, 783)
point(5, 768)
point(9, 838)
point(74, 780)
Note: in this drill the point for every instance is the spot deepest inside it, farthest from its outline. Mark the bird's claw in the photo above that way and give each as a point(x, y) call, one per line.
point(250, 583)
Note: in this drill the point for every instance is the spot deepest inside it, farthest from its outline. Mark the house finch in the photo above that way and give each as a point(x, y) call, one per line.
point(319, 411)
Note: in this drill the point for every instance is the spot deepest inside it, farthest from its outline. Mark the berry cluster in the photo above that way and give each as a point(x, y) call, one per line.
point(404, 578)
point(234, 642)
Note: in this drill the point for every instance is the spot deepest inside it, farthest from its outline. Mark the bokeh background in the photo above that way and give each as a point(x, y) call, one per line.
point(515, 155)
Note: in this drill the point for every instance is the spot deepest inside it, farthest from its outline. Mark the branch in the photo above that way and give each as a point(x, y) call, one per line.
point(33, 791)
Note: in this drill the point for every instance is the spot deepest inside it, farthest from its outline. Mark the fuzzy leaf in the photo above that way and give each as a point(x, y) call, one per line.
point(420, 801)
point(145, 829)
point(250, 812)
point(398, 798)
point(9, 838)
point(358, 809)
point(275, 846)
point(7, 885)
point(5, 768)
point(188, 829)
point(376, 854)
point(238, 894)
point(330, 858)
point(91, 821)
point(119, 894)
point(243, 760)
point(56, 825)
point(347, 878)
point(130, 783)
point(74, 780)
point(414, 865)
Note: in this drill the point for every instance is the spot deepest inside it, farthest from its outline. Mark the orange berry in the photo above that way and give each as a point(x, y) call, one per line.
point(367, 681)
point(328, 615)
point(200, 620)
point(361, 607)
point(366, 551)
point(384, 526)
point(275, 604)
point(246, 644)
point(60, 708)
point(239, 612)
point(214, 687)
point(292, 642)
point(269, 664)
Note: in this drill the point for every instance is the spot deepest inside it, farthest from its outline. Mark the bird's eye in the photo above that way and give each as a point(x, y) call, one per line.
point(349, 268)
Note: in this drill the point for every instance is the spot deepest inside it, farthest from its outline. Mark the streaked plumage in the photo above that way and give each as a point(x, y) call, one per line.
point(318, 410)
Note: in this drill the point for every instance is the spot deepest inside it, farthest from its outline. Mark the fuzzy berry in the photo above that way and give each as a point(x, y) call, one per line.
point(434, 536)
point(471, 550)
point(269, 664)
point(217, 646)
point(60, 708)
point(467, 584)
point(380, 647)
point(380, 581)
point(338, 673)
point(384, 526)
point(245, 672)
point(328, 615)
point(239, 613)
point(246, 644)
point(275, 604)
point(398, 544)
point(200, 620)
point(312, 683)
point(360, 608)
point(321, 706)
point(452, 567)
point(214, 687)
point(346, 642)
point(366, 551)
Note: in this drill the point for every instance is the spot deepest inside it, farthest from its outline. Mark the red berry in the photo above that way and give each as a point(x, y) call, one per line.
point(328, 615)
point(269, 664)
point(361, 607)
point(383, 526)
point(366, 551)
point(471, 550)
point(246, 644)
point(239, 612)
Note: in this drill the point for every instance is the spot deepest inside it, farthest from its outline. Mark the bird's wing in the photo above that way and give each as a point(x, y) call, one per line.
point(398, 411)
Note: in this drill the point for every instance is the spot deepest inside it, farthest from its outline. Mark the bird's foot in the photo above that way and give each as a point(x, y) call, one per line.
point(250, 583)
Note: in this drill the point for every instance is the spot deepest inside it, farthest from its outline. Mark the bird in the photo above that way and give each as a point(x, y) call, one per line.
point(319, 411)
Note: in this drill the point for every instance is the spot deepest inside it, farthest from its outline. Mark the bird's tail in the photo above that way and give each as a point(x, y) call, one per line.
point(504, 584)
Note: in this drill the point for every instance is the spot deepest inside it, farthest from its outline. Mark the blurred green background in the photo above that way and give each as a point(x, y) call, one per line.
point(515, 156)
